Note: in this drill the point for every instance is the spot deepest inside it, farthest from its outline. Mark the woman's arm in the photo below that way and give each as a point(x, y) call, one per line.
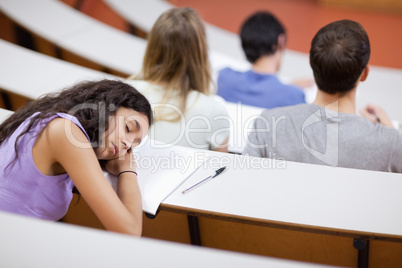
point(71, 149)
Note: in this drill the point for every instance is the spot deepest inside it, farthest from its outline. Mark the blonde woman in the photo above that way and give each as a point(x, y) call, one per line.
point(176, 79)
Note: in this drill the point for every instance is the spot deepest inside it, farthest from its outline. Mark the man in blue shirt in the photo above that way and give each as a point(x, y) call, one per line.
point(263, 40)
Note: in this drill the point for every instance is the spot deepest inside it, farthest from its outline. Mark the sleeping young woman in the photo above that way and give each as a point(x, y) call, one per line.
point(58, 142)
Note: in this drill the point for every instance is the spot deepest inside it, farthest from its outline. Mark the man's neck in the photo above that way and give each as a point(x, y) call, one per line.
point(340, 103)
point(268, 64)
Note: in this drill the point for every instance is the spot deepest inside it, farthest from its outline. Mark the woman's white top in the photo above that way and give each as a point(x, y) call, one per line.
point(205, 123)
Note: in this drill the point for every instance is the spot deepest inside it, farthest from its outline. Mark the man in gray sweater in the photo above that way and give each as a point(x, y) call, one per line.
point(328, 131)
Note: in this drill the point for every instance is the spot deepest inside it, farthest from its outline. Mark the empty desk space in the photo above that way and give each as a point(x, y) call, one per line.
point(4, 114)
point(29, 74)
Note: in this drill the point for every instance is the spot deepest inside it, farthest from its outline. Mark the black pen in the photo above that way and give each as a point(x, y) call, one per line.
point(217, 172)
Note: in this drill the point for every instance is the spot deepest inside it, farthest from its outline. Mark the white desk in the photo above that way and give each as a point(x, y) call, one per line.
point(31, 74)
point(78, 33)
point(28, 242)
point(109, 47)
point(322, 199)
point(4, 114)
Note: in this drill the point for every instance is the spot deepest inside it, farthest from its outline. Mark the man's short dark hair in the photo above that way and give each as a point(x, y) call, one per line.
point(259, 35)
point(339, 53)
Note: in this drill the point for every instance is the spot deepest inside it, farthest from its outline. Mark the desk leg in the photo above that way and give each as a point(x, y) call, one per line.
point(362, 245)
point(194, 230)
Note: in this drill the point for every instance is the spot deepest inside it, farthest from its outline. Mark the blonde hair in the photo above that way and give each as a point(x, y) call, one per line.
point(177, 56)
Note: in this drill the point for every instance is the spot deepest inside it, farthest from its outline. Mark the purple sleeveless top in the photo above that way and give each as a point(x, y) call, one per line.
point(23, 188)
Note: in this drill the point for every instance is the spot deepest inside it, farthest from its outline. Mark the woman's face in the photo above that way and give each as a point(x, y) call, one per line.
point(126, 130)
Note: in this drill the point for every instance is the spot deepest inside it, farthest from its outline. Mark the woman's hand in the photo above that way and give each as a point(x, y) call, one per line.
point(123, 163)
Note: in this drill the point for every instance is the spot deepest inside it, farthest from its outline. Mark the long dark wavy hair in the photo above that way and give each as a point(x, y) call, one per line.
point(91, 102)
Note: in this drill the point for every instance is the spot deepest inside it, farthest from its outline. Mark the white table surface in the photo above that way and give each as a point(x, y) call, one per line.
point(109, 47)
point(32, 74)
point(46, 17)
point(28, 242)
point(4, 114)
point(78, 33)
point(310, 195)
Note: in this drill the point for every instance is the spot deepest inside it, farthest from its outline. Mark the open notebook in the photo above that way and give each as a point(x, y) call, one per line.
point(161, 170)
